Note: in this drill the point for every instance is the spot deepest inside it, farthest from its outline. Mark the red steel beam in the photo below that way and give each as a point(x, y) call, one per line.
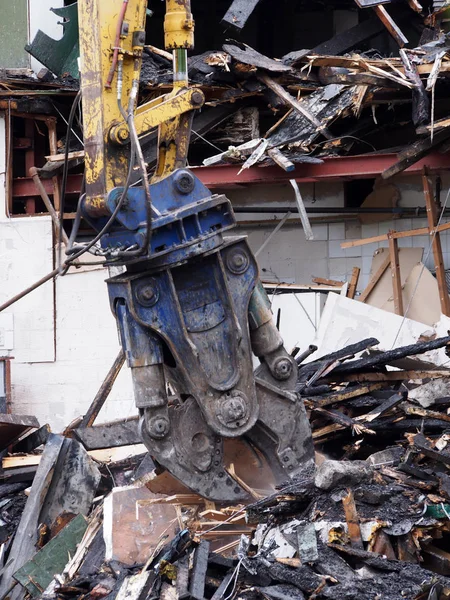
point(24, 186)
point(224, 176)
point(332, 169)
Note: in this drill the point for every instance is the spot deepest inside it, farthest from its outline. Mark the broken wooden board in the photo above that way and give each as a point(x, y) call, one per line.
point(244, 54)
point(106, 455)
point(414, 152)
point(37, 573)
point(238, 13)
point(326, 105)
point(32, 441)
point(133, 525)
point(13, 427)
point(65, 484)
point(109, 435)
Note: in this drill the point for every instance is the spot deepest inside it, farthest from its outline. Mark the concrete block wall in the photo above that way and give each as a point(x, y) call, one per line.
point(290, 258)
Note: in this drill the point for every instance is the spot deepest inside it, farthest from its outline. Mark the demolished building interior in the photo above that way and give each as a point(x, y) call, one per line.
point(297, 93)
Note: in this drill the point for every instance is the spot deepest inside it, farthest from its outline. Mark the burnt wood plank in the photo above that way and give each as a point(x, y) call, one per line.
point(33, 441)
point(198, 575)
point(247, 55)
point(386, 358)
point(238, 13)
point(415, 152)
point(326, 105)
point(109, 435)
point(13, 426)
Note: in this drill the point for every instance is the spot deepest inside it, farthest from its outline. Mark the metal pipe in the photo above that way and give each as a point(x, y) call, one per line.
point(115, 57)
point(304, 355)
point(30, 289)
point(314, 210)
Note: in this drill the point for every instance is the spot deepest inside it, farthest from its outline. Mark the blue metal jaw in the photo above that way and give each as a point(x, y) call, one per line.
point(186, 220)
point(191, 314)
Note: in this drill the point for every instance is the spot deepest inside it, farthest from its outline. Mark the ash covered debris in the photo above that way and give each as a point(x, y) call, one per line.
point(373, 522)
point(330, 100)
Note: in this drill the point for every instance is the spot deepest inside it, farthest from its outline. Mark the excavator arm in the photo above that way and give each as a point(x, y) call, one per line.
point(190, 309)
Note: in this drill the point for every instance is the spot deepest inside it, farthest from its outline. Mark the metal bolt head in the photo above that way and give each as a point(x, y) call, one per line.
point(238, 261)
point(184, 182)
point(282, 368)
point(197, 98)
point(158, 427)
point(147, 293)
point(232, 410)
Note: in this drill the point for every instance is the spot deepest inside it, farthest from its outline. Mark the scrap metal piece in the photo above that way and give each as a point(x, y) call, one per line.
point(60, 56)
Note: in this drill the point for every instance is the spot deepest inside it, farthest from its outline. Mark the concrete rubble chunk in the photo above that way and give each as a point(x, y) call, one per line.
point(334, 473)
point(427, 394)
point(388, 457)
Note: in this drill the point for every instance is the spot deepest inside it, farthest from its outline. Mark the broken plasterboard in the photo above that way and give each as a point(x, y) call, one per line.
point(345, 321)
point(382, 294)
point(419, 288)
point(384, 195)
point(133, 526)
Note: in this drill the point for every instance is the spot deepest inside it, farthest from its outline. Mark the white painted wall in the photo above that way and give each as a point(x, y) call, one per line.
point(25, 257)
point(86, 346)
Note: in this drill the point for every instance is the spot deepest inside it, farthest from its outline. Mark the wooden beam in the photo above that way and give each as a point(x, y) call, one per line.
point(103, 392)
point(414, 152)
point(294, 103)
point(238, 13)
point(329, 282)
point(383, 238)
point(353, 37)
point(371, 3)
point(391, 26)
point(375, 279)
point(353, 282)
point(396, 276)
point(351, 516)
point(415, 5)
point(109, 435)
point(436, 244)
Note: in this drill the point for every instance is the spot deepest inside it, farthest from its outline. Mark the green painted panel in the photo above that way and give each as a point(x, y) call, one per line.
point(13, 33)
point(37, 573)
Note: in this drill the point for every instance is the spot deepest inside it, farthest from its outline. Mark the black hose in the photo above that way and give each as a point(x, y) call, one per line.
point(111, 219)
point(66, 172)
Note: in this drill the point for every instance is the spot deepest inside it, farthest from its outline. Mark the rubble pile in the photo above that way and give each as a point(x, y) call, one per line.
point(342, 97)
point(372, 522)
point(331, 100)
